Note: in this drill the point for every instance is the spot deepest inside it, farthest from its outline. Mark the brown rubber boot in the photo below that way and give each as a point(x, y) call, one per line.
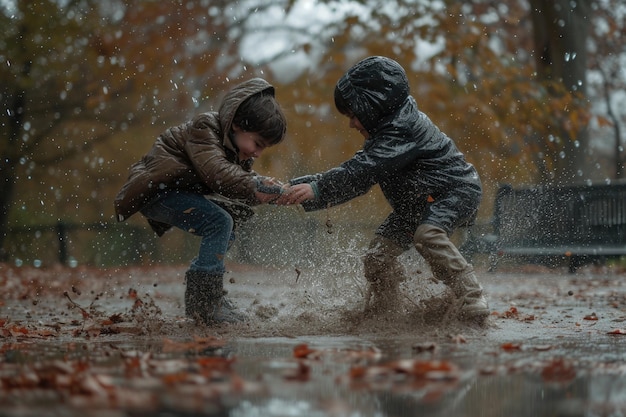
point(205, 299)
point(383, 273)
point(467, 289)
point(449, 266)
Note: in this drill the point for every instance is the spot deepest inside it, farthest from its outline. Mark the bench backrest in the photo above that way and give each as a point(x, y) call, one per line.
point(547, 215)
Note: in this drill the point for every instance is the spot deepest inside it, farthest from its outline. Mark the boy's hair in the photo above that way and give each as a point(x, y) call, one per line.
point(261, 113)
point(340, 103)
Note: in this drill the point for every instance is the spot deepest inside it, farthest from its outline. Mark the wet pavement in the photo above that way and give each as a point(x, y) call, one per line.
point(554, 346)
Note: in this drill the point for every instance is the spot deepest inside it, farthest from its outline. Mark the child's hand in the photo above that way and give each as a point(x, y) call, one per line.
point(295, 194)
point(268, 189)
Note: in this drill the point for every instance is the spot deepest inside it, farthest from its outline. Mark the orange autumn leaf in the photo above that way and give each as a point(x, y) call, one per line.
point(511, 346)
point(617, 332)
point(197, 344)
point(18, 330)
point(558, 371)
point(303, 351)
point(175, 378)
point(435, 370)
point(357, 372)
point(215, 363)
point(408, 368)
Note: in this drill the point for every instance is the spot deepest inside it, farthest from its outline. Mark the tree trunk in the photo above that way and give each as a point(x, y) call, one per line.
point(560, 31)
point(6, 196)
point(9, 154)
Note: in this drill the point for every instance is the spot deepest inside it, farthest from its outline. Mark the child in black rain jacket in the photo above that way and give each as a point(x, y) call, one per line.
point(429, 185)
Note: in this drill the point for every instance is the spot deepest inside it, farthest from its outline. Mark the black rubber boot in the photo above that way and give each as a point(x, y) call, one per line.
point(205, 299)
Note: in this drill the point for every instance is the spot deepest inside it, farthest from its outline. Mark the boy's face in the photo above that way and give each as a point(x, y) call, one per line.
point(356, 124)
point(250, 144)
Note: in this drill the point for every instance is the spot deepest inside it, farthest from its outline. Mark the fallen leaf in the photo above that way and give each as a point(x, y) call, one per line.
point(558, 371)
point(511, 346)
point(18, 331)
point(197, 344)
point(303, 351)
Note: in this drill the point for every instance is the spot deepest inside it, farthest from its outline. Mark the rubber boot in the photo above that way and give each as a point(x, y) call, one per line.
point(468, 290)
point(383, 273)
point(205, 299)
point(449, 266)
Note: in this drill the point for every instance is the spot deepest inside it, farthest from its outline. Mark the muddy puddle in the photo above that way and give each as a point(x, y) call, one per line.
point(114, 343)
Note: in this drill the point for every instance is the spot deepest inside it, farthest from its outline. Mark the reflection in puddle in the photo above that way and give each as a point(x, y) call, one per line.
point(263, 377)
point(521, 388)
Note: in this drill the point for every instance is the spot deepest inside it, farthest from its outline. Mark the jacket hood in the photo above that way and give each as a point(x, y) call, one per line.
point(233, 100)
point(374, 88)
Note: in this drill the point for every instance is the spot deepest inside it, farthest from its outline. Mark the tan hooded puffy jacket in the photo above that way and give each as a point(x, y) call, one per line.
point(196, 156)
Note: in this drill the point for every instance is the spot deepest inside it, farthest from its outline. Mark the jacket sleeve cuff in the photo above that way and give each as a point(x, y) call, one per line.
point(302, 180)
point(316, 191)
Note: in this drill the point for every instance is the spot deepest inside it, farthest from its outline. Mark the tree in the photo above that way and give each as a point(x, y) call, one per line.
point(82, 73)
point(53, 90)
point(89, 84)
point(561, 29)
point(484, 80)
point(608, 78)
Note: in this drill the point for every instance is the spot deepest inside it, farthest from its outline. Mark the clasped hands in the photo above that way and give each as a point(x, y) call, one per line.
point(287, 195)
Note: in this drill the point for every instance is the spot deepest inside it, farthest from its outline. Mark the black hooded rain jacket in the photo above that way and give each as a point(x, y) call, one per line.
point(406, 154)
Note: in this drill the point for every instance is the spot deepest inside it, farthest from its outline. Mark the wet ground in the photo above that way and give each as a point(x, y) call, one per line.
point(88, 342)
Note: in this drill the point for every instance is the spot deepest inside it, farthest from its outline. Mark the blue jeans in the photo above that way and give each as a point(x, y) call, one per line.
point(195, 214)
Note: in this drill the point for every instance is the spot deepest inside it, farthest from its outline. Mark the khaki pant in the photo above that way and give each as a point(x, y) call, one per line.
point(444, 259)
point(449, 266)
point(384, 273)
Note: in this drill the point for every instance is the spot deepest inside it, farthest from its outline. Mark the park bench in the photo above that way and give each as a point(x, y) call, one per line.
point(577, 223)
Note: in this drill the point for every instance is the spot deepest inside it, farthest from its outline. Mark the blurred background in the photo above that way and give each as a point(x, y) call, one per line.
point(532, 91)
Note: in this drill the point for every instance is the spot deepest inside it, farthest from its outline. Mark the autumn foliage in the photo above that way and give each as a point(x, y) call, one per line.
point(88, 87)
